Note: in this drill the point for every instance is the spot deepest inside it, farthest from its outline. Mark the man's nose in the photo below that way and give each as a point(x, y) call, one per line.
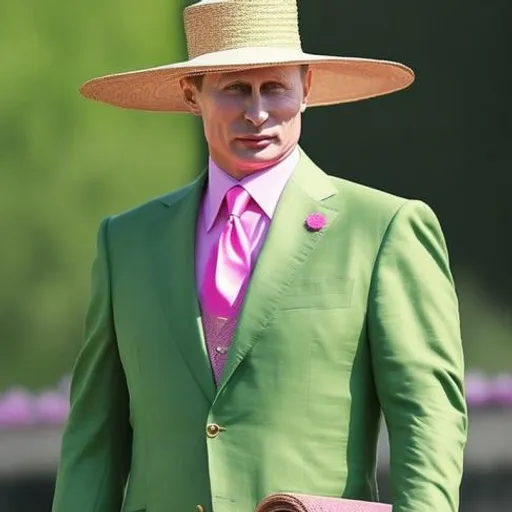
point(256, 110)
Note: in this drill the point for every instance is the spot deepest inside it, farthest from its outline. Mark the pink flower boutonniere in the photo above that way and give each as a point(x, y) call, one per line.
point(316, 222)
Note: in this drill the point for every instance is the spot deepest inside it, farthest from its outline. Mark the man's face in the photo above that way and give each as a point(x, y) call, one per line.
point(251, 119)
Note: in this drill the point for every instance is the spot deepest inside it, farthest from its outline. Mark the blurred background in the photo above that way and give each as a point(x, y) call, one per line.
point(65, 163)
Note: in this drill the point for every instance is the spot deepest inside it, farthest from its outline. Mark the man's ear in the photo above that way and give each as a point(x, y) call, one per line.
point(190, 96)
point(307, 89)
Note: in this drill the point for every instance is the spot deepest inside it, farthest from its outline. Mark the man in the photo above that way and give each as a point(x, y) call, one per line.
point(245, 332)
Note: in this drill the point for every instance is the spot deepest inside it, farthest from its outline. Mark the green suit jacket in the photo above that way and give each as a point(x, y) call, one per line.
point(337, 326)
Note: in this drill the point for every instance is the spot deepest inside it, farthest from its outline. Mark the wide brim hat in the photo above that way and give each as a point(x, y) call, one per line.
point(234, 35)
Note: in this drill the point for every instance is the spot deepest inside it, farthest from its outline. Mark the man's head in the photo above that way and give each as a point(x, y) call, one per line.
point(252, 118)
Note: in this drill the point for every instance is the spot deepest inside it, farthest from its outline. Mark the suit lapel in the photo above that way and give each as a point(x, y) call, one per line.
point(287, 247)
point(172, 259)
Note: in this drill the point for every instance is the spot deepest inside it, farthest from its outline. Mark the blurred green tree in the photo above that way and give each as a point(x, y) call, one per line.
point(65, 163)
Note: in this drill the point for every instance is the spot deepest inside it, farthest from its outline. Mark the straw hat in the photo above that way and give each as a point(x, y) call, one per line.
point(232, 35)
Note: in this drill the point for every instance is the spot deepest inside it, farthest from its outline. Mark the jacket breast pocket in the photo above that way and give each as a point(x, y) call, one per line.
point(328, 293)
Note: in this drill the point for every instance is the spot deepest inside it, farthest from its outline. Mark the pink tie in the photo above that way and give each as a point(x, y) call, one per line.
point(227, 271)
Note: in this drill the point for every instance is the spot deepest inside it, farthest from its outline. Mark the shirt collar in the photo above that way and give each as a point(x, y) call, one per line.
point(265, 187)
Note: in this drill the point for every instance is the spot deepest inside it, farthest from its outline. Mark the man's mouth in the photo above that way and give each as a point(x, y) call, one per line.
point(257, 138)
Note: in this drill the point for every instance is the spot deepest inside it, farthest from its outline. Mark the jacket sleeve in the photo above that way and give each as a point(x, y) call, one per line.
point(96, 444)
point(417, 360)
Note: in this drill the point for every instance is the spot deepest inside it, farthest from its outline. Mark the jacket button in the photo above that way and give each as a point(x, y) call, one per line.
point(199, 508)
point(213, 430)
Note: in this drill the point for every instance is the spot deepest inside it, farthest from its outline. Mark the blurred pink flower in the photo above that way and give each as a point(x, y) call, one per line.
point(16, 409)
point(502, 389)
point(51, 408)
point(478, 389)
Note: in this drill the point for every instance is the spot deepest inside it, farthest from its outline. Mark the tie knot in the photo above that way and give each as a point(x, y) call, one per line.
point(237, 199)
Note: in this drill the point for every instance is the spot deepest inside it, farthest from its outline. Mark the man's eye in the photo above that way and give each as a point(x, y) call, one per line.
point(273, 86)
point(236, 87)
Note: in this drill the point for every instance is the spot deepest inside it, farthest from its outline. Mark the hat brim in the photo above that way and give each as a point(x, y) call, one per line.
point(335, 79)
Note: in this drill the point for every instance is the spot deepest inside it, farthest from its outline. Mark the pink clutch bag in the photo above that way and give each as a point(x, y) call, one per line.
point(291, 502)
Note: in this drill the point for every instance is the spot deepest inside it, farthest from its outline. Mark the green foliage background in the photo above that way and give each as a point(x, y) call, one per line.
point(66, 162)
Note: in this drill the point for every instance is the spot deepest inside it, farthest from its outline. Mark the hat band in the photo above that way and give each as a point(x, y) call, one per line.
point(214, 27)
